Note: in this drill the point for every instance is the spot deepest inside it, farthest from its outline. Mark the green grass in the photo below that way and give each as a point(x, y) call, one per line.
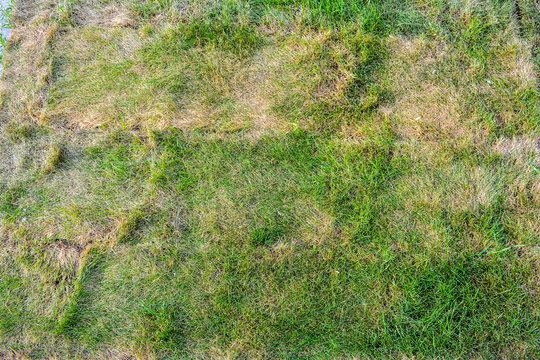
point(270, 180)
point(201, 267)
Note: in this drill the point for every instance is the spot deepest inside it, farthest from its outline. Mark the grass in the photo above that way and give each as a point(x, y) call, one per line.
point(6, 24)
point(270, 180)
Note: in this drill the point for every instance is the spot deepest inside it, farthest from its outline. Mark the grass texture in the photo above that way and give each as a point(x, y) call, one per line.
point(282, 179)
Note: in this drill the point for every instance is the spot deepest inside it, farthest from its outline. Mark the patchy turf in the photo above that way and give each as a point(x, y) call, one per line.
point(285, 179)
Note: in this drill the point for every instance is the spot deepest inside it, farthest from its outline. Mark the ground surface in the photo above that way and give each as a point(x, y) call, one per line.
point(282, 179)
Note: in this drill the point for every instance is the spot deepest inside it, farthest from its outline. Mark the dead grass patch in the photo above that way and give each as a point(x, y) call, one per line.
point(26, 75)
point(521, 157)
point(450, 98)
point(427, 106)
point(103, 86)
point(103, 14)
point(104, 81)
point(317, 226)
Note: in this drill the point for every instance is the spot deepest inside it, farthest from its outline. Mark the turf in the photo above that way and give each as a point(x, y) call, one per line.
point(285, 179)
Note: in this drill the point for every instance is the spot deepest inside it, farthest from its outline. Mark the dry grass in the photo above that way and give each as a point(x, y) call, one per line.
point(427, 106)
point(102, 14)
point(27, 68)
point(273, 89)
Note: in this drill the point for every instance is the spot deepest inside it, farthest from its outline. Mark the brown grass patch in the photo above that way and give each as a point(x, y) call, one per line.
point(521, 156)
point(23, 88)
point(427, 106)
point(103, 14)
point(104, 82)
point(317, 226)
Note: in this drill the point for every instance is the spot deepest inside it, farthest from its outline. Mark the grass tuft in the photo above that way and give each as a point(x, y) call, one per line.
point(53, 157)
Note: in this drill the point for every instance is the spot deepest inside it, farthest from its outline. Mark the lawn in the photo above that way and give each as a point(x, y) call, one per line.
point(270, 179)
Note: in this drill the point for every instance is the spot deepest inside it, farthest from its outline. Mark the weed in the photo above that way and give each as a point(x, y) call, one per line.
point(63, 12)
